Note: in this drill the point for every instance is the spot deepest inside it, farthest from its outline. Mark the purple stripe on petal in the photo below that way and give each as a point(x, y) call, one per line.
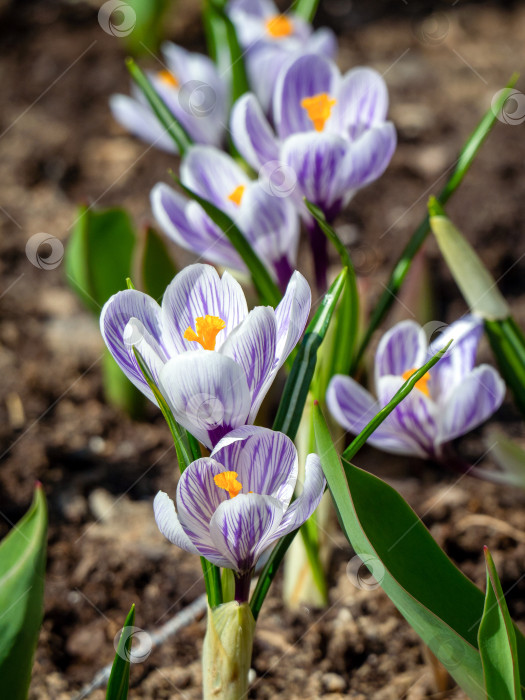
point(169, 524)
point(362, 102)
point(139, 120)
point(251, 132)
point(401, 349)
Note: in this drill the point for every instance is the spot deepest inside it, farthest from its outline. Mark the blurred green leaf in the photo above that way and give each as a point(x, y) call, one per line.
point(161, 110)
point(224, 48)
point(22, 570)
point(158, 269)
point(118, 684)
point(298, 383)
point(148, 21)
point(508, 345)
point(266, 287)
point(497, 641)
point(305, 9)
point(437, 600)
point(460, 169)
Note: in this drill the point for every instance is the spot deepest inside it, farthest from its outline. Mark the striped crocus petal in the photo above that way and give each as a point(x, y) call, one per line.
point(402, 349)
point(139, 120)
point(362, 102)
point(169, 524)
point(370, 155)
point(251, 132)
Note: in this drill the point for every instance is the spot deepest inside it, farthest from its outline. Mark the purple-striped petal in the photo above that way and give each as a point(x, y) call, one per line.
point(369, 156)
point(199, 291)
point(118, 311)
point(323, 41)
point(251, 133)
point(169, 524)
point(140, 121)
point(242, 528)
point(306, 76)
point(471, 402)
point(362, 102)
point(188, 225)
point(265, 460)
point(207, 393)
point(252, 346)
point(401, 349)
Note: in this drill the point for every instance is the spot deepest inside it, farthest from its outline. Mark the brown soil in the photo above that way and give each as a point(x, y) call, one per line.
point(101, 470)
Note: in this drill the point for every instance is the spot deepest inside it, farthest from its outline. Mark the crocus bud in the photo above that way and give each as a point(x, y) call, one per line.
point(474, 280)
point(227, 652)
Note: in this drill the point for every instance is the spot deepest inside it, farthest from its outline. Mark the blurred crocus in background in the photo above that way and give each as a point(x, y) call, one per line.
point(234, 505)
point(270, 223)
point(453, 398)
point(192, 89)
point(270, 39)
point(331, 136)
point(212, 360)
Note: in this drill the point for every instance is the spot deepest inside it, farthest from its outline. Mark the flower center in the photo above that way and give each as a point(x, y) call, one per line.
point(279, 26)
point(207, 328)
point(421, 384)
point(318, 108)
point(236, 195)
point(228, 482)
point(168, 78)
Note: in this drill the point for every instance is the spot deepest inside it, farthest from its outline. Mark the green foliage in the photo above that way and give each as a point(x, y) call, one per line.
point(118, 684)
point(305, 9)
point(148, 26)
point(497, 641)
point(22, 570)
point(158, 268)
point(508, 345)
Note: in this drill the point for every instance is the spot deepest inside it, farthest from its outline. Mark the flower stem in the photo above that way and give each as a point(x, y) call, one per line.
point(242, 587)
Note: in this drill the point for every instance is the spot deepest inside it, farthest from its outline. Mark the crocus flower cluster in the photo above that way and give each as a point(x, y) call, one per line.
point(233, 506)
point(213, 361)
point(450, 400)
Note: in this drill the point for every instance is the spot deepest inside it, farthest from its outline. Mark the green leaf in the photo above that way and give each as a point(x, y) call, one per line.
point(118, 683)
point(161, 110)
point(460, 169)
point(305, 9)
point(99, 254)
point(224, 48)
point(508, 345)
point(298, 383)
point(158, 269)
point(497, 641)
point(266, 287)
point(509, 456)
point(147, 23)
point(22, 570)
point(437, 600)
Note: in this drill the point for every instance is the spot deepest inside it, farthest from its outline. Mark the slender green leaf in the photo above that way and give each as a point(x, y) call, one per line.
point(509, 456)
point(187, 451)
point(298, 383)
point(437, 600)
point(22, 570)
point(497, 641)
point(266, 287)
point(460, 169)
point(158, 269)
point(145, 20)
point(118, 683)
point(277, 555)
point(161, 110)
point(305, 9)
point(508, 345)
point(224, 48)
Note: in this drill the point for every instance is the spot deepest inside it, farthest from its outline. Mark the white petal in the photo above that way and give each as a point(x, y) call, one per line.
point(169, 524)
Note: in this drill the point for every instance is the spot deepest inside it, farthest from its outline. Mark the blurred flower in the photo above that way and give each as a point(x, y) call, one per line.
point(269, 223)
point(233, 506)
point(450, 400)
point(212, 360)
point(270, 39)
point(194, 92)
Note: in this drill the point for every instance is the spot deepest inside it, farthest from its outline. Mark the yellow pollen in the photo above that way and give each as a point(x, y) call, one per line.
point(228, 482)
point(279, 26)
point(421, 384)
point(236, 195)
point(319, 108)
point(168, 78)
point(207, 328)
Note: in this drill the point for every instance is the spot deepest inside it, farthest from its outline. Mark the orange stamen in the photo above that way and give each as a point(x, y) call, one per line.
point(279, 26)
point(228, 482)
point(319, 108)
point(168, 78)
point(207, 328)
point(421, 384)
point(236, 195)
